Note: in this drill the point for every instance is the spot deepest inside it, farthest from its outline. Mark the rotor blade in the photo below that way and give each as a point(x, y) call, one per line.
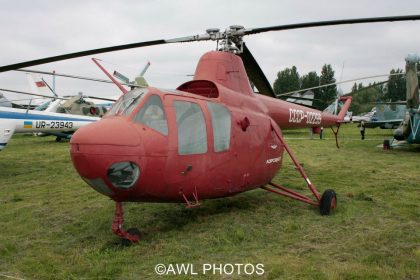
point(255, 74)
point(365, 88)
point(34, 94)
point(73, 77)
point(100, 98)
point(343, 82)
point(330, 23)
point(53, 97)
point(389, 103)
point(80, 54)
point(202, 37)
point(303, 98)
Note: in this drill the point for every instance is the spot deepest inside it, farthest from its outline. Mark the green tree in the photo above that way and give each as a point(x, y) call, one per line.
point(354, 87)
point(396, 89)
point(287, 80)
point(310, 80)
point(326, 94)
point(363, 100)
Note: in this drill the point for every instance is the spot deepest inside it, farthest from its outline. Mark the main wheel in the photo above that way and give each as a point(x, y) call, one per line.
point(328, 202)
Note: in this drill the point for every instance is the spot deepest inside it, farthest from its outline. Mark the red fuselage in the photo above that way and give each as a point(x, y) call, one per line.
point(212, 137)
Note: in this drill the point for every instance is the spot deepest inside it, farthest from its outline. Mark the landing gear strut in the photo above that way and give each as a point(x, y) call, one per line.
point(326, 203)
point(132, 235)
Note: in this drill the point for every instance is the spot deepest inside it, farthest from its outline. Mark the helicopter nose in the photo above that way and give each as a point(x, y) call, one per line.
point(118, 132)
point(107, 155)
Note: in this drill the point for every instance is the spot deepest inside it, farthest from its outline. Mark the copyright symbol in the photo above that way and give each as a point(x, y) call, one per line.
point(160, 269)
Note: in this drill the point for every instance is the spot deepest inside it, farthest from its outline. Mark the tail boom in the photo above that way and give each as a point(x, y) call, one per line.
point(288, 115)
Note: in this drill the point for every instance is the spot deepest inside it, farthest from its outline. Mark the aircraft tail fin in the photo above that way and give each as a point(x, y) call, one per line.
point(38, 84)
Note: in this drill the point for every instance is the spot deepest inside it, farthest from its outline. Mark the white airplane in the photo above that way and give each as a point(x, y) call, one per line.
point(30, 121)
point(48, 121)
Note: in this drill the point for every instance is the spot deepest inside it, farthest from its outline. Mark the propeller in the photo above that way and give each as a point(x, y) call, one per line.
point(227, 39)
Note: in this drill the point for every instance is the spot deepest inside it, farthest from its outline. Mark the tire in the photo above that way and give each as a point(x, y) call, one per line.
point(328, 202)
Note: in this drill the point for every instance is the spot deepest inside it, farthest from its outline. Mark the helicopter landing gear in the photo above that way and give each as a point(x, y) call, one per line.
point(328, 202)
point(58, 139)
point(130, 236)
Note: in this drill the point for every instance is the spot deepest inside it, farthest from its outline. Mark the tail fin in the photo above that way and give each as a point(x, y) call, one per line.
point(38, 85)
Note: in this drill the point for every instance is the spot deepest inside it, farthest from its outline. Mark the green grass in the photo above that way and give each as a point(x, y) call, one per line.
point(53, 226)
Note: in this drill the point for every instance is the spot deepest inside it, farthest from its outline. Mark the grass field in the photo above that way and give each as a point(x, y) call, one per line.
point(53, 226)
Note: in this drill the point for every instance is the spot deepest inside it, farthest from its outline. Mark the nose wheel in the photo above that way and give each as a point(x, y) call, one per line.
point(130, 236)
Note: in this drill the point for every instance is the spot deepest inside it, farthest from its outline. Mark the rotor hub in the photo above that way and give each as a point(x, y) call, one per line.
point(229, 40)
point(232, 39)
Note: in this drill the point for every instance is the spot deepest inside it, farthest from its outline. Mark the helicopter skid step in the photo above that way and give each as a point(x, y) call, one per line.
point(117, 225)
point(188, 203)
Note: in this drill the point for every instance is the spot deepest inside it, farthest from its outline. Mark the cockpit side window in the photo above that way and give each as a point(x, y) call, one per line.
point(221, 122)
point(192, 135)
point(153, 115)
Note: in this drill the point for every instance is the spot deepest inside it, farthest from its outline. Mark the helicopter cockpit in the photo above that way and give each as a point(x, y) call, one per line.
point(151, 113)
point(189, 116)
point(127, 103)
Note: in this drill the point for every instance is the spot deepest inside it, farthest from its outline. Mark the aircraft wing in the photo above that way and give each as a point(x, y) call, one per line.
point(384, 124)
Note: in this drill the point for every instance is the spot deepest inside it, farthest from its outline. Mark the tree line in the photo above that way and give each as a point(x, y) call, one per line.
point(289, 79)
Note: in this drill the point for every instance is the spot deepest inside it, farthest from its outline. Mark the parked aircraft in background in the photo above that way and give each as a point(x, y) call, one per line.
point(305, 99)
point(27, 121)
point(409, 127)
point(365, 117)
point(387, 115)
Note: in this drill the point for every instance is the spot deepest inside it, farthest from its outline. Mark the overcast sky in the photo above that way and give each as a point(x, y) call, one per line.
point(36, 29)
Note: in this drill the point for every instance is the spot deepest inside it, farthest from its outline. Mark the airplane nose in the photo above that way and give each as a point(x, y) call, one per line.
point(107, 155)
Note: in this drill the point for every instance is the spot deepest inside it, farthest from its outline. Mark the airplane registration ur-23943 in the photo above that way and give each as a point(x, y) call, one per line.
point(26, 121)
point(210, 137)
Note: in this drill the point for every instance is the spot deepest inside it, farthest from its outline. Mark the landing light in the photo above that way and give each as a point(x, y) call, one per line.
point(123, 175)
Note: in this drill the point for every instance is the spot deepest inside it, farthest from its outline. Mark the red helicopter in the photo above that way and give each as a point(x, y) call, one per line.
point(211, 137)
